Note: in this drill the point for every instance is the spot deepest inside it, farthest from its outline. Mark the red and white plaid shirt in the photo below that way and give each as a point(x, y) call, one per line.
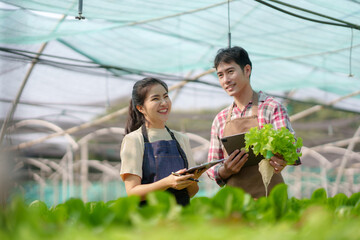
point(269, 111)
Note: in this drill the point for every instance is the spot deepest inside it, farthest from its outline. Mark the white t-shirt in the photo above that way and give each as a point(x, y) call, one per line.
point(132, 149)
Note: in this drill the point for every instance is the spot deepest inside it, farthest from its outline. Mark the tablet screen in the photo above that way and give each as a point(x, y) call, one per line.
point(237, 141)
point(204, 166)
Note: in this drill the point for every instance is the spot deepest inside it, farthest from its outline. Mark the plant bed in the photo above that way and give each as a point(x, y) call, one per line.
point(230, 214)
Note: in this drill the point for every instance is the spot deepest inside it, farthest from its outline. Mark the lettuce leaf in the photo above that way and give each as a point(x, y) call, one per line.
point(280, 141)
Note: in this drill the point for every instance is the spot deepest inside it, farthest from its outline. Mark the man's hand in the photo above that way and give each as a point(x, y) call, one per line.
point(199, 172)
point(278, 163)
point(233, 164)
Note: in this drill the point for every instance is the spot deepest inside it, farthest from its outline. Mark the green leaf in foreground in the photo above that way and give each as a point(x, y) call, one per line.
point(231, 199)
point(319, 196)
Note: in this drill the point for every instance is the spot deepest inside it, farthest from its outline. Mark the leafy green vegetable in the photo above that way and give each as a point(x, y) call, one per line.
point(280, 141)
point(230, 214)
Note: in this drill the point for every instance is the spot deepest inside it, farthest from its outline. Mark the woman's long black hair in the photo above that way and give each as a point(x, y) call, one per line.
point(139, 93)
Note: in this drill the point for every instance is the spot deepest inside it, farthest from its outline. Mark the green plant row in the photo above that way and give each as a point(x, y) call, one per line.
point(230, 213)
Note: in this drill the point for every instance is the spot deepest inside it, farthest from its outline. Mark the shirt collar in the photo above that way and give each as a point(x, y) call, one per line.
point(262, 98)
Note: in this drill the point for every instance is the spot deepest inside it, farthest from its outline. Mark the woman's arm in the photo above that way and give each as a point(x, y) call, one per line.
point(133, 186)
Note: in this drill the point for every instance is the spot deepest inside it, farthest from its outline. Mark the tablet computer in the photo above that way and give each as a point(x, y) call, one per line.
point(204, 166)
point(237, 141)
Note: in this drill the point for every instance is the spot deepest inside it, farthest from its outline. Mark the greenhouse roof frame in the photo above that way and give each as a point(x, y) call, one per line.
point(122, 41)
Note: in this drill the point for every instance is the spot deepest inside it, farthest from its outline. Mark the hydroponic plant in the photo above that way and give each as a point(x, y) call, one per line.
point(267, 141)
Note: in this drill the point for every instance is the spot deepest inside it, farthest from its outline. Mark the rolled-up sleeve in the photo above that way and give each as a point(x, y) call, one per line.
point(215, 153)
point(131, 155)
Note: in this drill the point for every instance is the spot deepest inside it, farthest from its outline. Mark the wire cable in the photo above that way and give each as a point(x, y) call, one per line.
point(80, 17)
point(77, 67)
point(315, 13)
point(229, 28)
point(348, 25)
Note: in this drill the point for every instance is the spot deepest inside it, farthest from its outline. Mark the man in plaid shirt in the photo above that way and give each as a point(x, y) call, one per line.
point(234, 68)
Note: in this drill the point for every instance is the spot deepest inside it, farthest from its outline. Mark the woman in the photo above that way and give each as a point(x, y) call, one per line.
point(150, 152)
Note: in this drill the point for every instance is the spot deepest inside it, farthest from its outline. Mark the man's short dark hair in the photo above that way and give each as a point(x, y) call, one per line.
point(236, 54)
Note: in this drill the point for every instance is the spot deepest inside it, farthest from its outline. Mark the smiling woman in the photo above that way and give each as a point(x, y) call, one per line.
point(153, 157)
point(156, 107)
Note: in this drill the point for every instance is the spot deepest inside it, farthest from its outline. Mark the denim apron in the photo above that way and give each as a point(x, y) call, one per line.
point(249, 178)
point(161, 158)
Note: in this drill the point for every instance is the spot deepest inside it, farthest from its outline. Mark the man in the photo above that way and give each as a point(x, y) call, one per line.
point(249, 109)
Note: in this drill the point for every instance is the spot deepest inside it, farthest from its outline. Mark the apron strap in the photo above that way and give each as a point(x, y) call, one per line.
point(181, 151)
point(255, 102)
point(254, 106)
point(144, 133)
point(228, 117)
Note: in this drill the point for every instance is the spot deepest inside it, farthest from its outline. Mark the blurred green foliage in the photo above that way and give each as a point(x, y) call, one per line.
point(230, 214)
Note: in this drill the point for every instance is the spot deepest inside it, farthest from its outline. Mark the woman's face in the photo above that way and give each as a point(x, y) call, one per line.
point(157, 107)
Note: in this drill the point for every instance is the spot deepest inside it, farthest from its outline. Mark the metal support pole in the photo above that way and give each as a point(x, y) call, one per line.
point(10, 114)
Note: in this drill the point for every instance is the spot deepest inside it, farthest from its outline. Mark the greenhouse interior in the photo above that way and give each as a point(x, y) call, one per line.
point(67, 69)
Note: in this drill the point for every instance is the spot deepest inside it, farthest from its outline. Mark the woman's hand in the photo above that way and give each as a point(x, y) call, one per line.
point(278, 163)
point(179, 181)
point(233, 163)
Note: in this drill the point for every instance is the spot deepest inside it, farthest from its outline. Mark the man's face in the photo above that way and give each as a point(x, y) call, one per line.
point(232, 78)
